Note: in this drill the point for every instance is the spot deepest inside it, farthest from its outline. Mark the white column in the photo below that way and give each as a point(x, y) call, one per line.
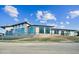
point(75, 33)
point(64, 33)
point(50, 31)
point(26, 30)
point(59, 32)
point(44, 30)
point(37, 30)
point(71, 33)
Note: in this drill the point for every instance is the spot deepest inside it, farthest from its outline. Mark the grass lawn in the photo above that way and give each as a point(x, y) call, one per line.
point(52, 39)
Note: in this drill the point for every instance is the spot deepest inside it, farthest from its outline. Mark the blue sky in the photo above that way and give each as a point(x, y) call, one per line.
point(60, 16)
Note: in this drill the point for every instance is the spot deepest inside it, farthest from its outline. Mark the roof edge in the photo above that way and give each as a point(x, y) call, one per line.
point(15, 24)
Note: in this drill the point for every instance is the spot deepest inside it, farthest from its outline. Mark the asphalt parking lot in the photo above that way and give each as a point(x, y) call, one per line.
point(39, 48)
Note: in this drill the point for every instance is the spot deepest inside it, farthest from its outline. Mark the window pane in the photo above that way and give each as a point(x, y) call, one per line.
point(62, 32)
point(56, 31)
point(41, 30)
point(47, 30)
point(31, 30)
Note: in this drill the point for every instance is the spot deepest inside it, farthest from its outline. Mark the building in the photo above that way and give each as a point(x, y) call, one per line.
point(25, 28)
point(1, 34)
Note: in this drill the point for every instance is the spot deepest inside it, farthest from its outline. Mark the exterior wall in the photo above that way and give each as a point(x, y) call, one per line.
point(64, 32)
point(73, 33)
point(31, 30)
point(40, 30)
point(45, 30)
point(56, 32)
point(8, 28)
point(1, 34)
point(27, 29)
point(17, 30)
point(77, 33)
point(9, 31)
point(52, 32)
point(59, 32)
point(37, 30)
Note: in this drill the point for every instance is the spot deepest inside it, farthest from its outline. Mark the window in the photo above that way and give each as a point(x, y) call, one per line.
point(62, 32)
point(31, 30)
point(19, 31)
point(41, 29)
point(56, 31)
point(77, 33)
point(9, 32)
point(47, 30)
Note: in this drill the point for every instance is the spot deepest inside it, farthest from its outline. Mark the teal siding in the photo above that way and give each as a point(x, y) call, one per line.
point(31, 30)
point(9, 32)
point(19, 31)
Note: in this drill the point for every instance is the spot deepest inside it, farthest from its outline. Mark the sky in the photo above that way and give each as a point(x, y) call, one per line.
point(60, 16)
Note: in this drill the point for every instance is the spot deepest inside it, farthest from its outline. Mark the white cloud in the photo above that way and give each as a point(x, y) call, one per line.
point(39, 14)
point(73, 14)
point(67, 22)
point(45, 15)
point(49, 16)
point(12, 11)
point(61, 23)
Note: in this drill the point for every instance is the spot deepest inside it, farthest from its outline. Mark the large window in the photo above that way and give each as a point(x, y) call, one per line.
point(77, 33)
point(47, 30)
point(31, 30)
point(56, 31)
point(41, 29)
point(62, 32)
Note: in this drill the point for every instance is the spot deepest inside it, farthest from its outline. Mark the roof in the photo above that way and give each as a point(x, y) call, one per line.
point(42, 25)
point(23, 23)
point(14, 24)
point(35, 25)
point(64, 29)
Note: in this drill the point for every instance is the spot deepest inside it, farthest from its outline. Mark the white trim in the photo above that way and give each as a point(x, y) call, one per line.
point(44, 30)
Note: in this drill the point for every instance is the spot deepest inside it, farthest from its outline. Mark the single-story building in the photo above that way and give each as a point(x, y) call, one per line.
point(25, 28)
point(1, 34)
